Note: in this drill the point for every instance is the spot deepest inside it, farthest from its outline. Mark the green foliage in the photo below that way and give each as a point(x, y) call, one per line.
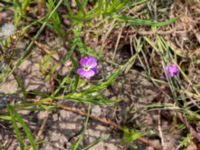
point(47, 108)
point(130, 136)
point(57, 26)
point(6, 118)
point(142, 22)
point(16, 118)
point(20, 9)
point(77, 42)
point(18, 13)
point(89, 95)
point(16, 129)
point(21, 85)
point(185, 141)
point(24, 6)
point(104, 84)
point(103, 138)
point(101, 7)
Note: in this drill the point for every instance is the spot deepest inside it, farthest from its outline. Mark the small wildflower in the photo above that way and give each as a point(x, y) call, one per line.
point(7, 30)
point(88, 67)
point(172, 70)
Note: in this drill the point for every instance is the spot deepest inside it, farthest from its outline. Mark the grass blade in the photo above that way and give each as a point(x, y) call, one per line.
point(17, 117)
point(75, 146)
point(103, 138)
point(56, 19)
point(103, 85)
point(16, 129)
point(24, 6)
point(135, 21)
point(17, 14)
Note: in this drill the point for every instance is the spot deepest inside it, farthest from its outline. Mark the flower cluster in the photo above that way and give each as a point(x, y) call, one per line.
point(88, 67)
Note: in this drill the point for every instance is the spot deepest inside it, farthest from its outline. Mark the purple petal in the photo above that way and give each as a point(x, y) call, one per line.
point(95, 70)
point(85, 74)
point(92, 62)
point(83, 61)
point(172, 70)
point(88, 61)
point(81, 72)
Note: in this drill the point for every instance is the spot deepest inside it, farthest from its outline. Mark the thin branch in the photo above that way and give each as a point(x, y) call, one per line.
point(41, 130)
point(103, 121)
point(160, 129)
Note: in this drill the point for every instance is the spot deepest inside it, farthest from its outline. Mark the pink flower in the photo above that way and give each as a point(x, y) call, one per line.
point(88, 67)
point(172, 70)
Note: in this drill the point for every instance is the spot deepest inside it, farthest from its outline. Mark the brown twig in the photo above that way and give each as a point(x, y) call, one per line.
point(160, 129)
point(42, 47)
point(161, 32)
point(103, 121)
point(46, 50)
point(41, 130)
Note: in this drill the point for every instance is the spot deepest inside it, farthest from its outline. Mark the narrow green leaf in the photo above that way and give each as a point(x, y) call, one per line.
point(103, 138)
point(81, 11)
point(131, 135)
point(66, 3)
point(56, 19)
point(16, 129)
point(78, 142)
point(75, 146)
point(24, 6)
point(17, 14)
point(9, 118)
point(47, 108)
point(103, 85)
point(85, 2)
point(142, 22)
point(21, 85)
point(27, 131)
